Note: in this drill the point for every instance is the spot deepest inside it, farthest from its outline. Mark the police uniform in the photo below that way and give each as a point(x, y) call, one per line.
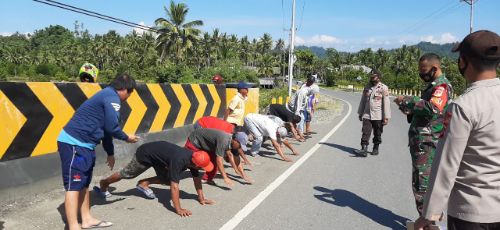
point(373, 108)
point(427, 118)
point(465, 175)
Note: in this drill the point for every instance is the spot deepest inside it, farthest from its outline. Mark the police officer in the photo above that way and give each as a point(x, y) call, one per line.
point(374, 111)
point(427, 115)
point(465, 178)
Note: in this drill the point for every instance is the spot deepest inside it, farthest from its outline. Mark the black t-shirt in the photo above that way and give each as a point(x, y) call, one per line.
point(281, 112)
point(168, 156)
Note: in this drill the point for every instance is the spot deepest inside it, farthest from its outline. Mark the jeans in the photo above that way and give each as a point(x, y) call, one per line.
point(301, 124)
point(258, 137)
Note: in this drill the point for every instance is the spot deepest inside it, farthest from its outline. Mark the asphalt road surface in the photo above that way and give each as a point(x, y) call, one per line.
point(327, 187)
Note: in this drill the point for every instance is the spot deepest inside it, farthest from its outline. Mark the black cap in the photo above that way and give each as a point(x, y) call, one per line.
point(311, 78)
point(482, 44)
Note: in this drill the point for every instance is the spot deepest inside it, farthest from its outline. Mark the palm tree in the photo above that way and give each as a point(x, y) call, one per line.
point(245, 50)
point(266, 65)
point(175, 36)
point(265, 43)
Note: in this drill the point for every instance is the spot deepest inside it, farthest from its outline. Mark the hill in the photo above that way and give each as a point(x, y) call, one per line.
point(443, 50)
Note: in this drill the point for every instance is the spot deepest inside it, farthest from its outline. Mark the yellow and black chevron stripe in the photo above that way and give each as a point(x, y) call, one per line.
point(32, 114)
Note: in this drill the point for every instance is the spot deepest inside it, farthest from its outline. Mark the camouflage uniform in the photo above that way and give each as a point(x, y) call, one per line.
point(427, 125)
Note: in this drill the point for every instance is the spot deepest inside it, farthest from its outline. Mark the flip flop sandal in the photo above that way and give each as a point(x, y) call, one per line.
point(147, 192)
point(100, 193)
point(101, 224)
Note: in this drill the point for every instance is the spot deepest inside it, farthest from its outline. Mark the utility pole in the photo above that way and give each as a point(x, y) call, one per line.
point(291, 55)
point(471, 3)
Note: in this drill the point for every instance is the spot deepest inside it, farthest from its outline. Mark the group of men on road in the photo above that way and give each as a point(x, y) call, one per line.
point(453, 142)
point(212, 142)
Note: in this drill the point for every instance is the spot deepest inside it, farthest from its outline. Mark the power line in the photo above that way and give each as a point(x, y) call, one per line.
point(302, 14)
point(95, 14)
point(430, 17)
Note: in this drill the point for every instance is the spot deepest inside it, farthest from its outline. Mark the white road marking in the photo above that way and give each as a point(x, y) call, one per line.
point(245, 211)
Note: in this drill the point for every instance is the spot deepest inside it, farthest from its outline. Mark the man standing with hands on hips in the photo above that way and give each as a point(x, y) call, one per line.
point(374, 111)
point(465, 175)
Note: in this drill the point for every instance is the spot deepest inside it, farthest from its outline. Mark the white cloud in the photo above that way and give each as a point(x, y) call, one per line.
point(318, 40)
point(299, 40)
point(371, 41)
point(5, 34)
point(442, 39)
point(138, 30)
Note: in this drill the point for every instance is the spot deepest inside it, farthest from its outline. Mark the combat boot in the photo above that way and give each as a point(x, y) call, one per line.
point(363, 151)
point(375, 150)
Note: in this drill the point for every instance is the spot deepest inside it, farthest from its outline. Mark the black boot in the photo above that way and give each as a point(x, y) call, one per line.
point(364, 151)
point(375, 150)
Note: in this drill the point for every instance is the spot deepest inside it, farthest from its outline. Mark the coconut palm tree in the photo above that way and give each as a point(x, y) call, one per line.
point(175, 35)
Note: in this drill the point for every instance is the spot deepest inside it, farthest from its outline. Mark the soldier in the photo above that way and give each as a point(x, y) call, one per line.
point(427, 116)
point(465, 178)
point(374, 111)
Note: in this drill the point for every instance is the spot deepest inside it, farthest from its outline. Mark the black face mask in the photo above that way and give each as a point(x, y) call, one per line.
point(373, 82)
point(462, 70)
point(428, 77)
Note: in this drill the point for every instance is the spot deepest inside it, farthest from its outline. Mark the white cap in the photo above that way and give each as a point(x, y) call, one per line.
point(282, 131)
point(314, 89)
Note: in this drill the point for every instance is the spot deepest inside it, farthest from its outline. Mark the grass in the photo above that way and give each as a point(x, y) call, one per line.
point(266, 96)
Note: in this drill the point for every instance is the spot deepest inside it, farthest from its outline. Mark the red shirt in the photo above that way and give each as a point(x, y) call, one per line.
point(216, 123)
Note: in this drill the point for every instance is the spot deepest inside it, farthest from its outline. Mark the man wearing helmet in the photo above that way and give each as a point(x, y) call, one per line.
point(88, 73)
point(217, 79)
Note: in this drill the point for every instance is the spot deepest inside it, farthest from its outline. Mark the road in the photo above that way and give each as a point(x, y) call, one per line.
point(326, 188)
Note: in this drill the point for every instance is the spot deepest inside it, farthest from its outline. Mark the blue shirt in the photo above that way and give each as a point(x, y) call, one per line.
point(96, 120)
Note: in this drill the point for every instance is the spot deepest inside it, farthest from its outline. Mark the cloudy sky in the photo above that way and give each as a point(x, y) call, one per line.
point(345, 25)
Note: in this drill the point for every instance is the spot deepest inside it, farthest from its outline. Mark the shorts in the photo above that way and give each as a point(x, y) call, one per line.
point(134, 168)
point(197, 125)
point(77, 164)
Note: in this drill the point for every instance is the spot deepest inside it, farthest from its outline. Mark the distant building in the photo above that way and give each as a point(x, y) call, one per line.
point(363, 68)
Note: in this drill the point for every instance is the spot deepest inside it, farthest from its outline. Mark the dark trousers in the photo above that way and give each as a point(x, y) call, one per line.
point(368, 126)
point(458, 224)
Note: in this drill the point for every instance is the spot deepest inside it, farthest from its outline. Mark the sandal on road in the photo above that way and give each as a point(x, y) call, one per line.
point(147, 192)
point(101, 224)
point(100, 193)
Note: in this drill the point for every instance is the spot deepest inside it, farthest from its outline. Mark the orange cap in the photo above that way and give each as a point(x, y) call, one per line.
point(202, 159)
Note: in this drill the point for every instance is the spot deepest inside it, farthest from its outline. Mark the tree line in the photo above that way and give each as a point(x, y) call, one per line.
point(180, 52)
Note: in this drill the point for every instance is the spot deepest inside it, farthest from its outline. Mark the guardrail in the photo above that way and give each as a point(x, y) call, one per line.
point(393, 92)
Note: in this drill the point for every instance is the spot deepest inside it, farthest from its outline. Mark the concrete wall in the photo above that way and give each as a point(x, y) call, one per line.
point(33, 114)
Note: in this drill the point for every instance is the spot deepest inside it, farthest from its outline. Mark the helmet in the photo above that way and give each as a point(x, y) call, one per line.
point(88, 73)
point(217, 79)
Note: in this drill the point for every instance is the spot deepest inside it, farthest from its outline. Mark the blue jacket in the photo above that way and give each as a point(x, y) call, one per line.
point(95, 120)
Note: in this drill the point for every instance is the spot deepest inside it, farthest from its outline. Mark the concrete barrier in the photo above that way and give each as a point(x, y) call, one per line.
point(34, 113)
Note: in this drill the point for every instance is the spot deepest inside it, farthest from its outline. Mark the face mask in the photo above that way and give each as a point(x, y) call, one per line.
point(427, 77)
point(374, 82)
point(462, 70)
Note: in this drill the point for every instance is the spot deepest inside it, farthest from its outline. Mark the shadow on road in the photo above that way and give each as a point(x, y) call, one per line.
point(343, 148)
point(94, 200)
point(344, 198)
point(269, 154)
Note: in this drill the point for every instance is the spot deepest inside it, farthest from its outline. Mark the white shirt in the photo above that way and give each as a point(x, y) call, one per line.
point(264, 124)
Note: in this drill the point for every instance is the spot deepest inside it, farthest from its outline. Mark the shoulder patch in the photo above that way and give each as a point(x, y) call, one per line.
point(116, 106)
point(439, 91)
